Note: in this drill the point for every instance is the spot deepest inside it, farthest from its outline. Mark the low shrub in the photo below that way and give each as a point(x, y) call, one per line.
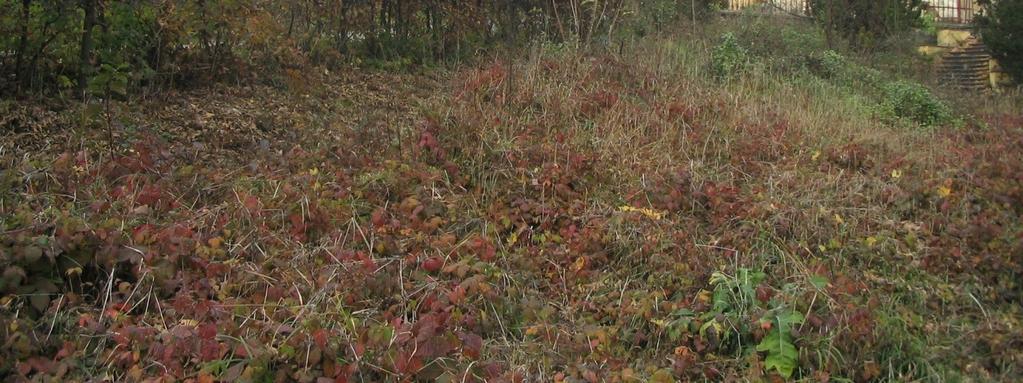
point(914, 102)
point(728, 57)
point(828, 64)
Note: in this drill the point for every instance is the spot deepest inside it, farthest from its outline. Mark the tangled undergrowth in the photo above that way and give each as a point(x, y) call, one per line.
point(568, 216)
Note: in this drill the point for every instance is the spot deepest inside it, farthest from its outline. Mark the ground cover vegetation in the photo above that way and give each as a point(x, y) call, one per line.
point(736, 199)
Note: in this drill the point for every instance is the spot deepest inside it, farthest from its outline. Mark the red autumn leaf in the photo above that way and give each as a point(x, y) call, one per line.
point(368, 263)
point(343, 378)
point(483, 248)
point(251, 203)
point(23, 368)
point(298, 227)
point(764, 293)
point(210, 350)
point(67, 350)
point(208, 331)
point(41, 364)
point(320, 337)
point(240, 351)
point(457, 295)
point(433, 264)
point(378, 218)
point(472, 344)
point(150, 195)
point(407, 362)
point(493, 370)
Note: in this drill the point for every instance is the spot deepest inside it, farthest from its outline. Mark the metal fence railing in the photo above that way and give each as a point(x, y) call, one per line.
point(800, 7)
point(953, 11)
point(948, 11)
point(738, 5)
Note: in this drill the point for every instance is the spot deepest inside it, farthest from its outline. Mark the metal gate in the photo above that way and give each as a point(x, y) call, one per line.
point(953, 11)
point(800, 7)
point(947, 11)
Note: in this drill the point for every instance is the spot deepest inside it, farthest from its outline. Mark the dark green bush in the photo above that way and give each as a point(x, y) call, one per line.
point(728, 58)
point(828, 64)
point(1002, 31)
point(914, 102)
point(863, 23)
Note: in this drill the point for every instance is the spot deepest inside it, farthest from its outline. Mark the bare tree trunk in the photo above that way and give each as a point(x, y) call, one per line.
point(22, 46)
point(557, 19)
point(291, 19)
point(85, 56)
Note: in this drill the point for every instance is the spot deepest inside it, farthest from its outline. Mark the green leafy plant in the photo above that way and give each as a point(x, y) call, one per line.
point(110, 82)
point(28, 266)
point(680, 323)
point(731, 301)
point(728, 58)
point(929, 23)
point(914, 102)
point(782, 354)
point(828, 64)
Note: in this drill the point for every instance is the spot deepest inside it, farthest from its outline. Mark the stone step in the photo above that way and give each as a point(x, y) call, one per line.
point(962, 55)
point(961, 82)
point(964, 68)
point(954, 79)
point(966, 61)
point(975, 71)
point(964, 78)
point(967, 67)
point(965, 56)
point(965, 64)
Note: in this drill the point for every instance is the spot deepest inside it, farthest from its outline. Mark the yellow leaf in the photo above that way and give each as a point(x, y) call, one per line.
point(704, 296)
point(580, 263)
point(628, 375)
point(944, 191)
point(816, 155)
point(682, 350)
point(870, 241)
point(215, 242)
point(650, 213)
point(838, 219)
point(314, 171)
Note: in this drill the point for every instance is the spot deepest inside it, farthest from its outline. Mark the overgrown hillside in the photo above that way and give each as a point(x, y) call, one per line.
point(734, 204)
